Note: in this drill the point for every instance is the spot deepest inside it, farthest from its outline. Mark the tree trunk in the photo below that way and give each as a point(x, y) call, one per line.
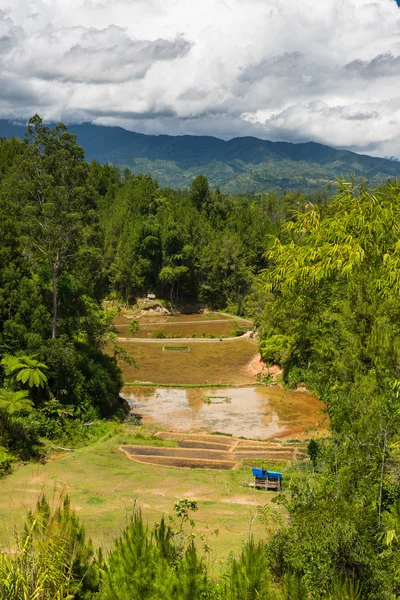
point(54, 271)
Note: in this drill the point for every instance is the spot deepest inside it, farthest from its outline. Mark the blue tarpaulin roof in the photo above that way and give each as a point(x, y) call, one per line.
point(264, 474)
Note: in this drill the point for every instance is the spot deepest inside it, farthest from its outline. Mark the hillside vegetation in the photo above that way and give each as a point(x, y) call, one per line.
point(321, 280)
point(244, 165)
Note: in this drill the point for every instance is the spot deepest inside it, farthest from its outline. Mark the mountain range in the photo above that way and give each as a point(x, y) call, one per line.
point(241, 165)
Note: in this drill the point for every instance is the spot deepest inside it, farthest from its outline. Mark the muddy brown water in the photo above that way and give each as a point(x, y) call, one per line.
point(202, 445)
point(254, 412)
point(224, 441)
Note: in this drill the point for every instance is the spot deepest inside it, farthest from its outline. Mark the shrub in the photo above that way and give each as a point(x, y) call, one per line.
point(158, 335)
point(52, 560)
point(5, 461)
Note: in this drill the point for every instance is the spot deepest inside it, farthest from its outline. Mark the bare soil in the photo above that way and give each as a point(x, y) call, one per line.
point(185, 463)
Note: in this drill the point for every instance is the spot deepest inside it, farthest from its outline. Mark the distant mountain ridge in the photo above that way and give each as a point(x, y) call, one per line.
point(240, 165)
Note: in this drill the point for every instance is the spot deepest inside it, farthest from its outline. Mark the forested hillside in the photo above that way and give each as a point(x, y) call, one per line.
point(244, 165)
point(74, 234)
point(321, 279)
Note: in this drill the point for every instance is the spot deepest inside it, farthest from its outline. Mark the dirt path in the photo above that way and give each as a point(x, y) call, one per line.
point(186, 340)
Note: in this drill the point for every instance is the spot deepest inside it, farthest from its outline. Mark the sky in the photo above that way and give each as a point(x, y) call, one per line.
point(293, 70)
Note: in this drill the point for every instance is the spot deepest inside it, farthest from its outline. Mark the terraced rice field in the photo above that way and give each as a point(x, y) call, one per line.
point(182, 326)
point(197, 451)
point(209, 362)
point(206, 359)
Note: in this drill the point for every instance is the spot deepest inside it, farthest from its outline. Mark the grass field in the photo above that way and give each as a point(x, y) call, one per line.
point(224, 362)
point(105, 483)
point(104, 486)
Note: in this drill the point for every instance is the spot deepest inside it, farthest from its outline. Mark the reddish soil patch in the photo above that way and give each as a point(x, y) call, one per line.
point(55, 456)
point(256, 365)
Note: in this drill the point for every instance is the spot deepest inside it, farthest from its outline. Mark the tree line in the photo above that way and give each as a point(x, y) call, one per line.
point(73, 234)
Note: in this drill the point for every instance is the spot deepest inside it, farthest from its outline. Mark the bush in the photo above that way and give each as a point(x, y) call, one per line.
point(82, 376)
point(276, 349)
point(149, 565)
point(53, 559)
point(5, 461)
point(158, 335)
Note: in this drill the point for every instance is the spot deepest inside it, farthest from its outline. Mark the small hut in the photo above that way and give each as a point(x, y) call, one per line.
point(267, 480)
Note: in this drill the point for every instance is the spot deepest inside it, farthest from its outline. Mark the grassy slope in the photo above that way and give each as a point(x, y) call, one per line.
point(206, 363)
point(104, 485)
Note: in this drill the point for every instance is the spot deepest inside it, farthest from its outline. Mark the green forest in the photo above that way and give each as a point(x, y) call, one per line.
point(320, 276)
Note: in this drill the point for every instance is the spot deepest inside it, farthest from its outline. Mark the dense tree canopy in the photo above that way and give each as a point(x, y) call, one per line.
point(331, 320)
point(51, 287)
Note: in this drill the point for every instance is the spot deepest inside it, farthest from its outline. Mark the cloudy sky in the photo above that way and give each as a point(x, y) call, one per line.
point(295, 70)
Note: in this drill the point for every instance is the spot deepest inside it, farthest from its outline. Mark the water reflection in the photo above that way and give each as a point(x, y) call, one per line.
point(254, 412)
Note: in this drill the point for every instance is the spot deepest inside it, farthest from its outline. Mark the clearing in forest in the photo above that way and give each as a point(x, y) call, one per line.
point(214, 351)
point(206, 363)
point(104, 487)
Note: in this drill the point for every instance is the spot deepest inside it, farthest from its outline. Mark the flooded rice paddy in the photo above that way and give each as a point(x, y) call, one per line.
point(254, 412)
point(261, 413)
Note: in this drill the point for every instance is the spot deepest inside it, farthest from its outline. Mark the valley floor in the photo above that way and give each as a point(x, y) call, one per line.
point(135, 466)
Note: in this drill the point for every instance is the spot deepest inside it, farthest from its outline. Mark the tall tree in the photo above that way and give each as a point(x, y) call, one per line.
point(53, 189)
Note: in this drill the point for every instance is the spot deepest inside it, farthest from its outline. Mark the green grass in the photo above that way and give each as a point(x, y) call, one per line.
point(176, 349)
point(128, 438)
point(105, 485)
point(216, 399)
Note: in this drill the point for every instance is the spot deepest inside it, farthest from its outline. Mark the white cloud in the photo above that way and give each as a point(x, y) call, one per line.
point(322, 70)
